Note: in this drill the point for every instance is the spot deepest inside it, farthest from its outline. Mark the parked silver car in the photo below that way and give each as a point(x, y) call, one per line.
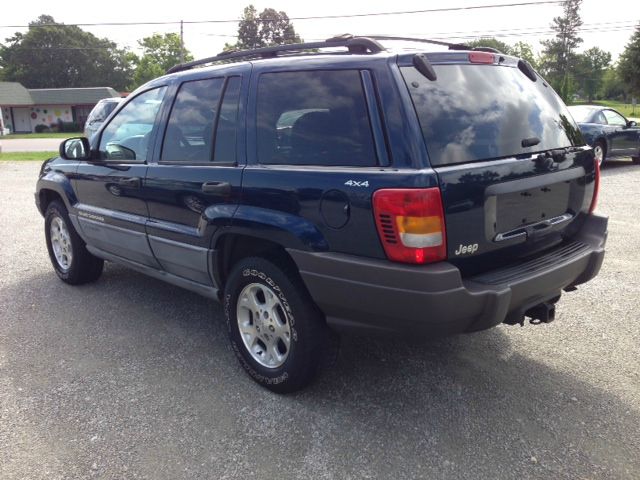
point(99, 114)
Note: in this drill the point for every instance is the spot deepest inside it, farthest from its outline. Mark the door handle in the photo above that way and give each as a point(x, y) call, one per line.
point(217, 188)
point(133, 182)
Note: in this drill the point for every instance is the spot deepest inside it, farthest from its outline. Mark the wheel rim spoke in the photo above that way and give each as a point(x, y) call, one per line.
point(263, 325)
point(61, 243)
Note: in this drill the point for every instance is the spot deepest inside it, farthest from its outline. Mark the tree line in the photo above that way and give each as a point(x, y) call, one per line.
point(589, 75)
point(54, 55)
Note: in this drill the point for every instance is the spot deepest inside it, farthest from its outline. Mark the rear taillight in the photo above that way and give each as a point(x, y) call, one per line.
point(596, 185)
point(411, 224)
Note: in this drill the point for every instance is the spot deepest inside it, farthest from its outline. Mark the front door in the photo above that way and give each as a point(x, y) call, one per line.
point(198, 175)
point(21, 120)
point(112, 211)
point(624, 138)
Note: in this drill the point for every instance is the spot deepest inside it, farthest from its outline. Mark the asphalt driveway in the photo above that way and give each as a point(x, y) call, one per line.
point(133, 378)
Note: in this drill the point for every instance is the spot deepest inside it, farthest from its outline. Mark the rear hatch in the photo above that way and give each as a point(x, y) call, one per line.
point(515, 175)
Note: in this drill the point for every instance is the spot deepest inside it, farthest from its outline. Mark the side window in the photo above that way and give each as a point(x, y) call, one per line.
point(614, 118)
point(599, 118)
point(227, 128)
point(314, 118)
point(128, 135)
point(189, 135)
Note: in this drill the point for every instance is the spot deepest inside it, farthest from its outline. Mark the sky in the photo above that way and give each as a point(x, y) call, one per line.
point(607, 24)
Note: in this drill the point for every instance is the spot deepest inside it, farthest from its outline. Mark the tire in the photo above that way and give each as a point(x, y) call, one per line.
point(69, 256)
point(600, 147)
point(635, 160)
point(285, 338)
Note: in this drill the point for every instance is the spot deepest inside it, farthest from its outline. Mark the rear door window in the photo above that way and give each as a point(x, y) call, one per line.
point(481, 112)
point(189, 134)
point(314, 118)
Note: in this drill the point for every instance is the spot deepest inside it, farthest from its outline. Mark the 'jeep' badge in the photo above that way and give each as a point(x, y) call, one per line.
point(464, 249)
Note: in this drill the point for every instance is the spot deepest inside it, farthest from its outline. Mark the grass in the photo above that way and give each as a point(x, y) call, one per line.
point(625, 109)
point(26, 156)
point(41, 135)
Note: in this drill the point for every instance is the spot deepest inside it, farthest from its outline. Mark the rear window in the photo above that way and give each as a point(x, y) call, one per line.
point(314, 118)
point(581, 114)
point(101, 111)
point(481, 112)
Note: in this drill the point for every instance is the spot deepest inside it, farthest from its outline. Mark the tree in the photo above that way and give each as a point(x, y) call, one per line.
point(629, 64)
point(159, 53)
point(525, 51)
point(54, 55)
point(270, 27)
point(612, 85)
point(491, 42)
point(590, 71)
point(558, 54)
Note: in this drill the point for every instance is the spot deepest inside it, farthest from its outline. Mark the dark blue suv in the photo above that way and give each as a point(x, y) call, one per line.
point(333, 186)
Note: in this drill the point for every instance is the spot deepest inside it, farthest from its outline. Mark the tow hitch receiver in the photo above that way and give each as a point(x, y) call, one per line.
point(541, 313)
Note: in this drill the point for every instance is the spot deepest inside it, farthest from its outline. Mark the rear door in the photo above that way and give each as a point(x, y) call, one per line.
point(197, 177)
point(513, 171)
point(315, 154)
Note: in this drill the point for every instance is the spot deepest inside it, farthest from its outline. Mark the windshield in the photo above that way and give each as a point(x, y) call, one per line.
point(481, 112)
point(581, 114)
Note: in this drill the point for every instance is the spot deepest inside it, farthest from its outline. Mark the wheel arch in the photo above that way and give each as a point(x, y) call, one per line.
point(54, 186)
point(231, 247)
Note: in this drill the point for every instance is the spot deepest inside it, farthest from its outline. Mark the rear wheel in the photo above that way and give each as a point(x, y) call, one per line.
point(275, 329)
point(600, 152)
point(69, 256)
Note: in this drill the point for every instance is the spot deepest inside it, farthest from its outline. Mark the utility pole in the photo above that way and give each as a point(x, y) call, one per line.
point(181, 41)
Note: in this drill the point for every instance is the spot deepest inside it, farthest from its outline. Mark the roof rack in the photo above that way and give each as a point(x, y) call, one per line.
point(452, 46)
point(356, 45)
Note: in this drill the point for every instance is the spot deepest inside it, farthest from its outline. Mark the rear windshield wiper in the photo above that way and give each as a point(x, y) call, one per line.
point(423, 65)
point(530, 142)
point(527, 69)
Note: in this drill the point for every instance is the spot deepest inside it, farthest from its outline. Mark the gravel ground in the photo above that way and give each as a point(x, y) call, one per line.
point(133, 378)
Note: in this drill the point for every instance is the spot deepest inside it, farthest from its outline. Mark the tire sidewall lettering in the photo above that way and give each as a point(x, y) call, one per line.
point(239, 349)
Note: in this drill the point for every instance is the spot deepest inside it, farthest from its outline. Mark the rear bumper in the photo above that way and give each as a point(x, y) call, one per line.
point(380, 296)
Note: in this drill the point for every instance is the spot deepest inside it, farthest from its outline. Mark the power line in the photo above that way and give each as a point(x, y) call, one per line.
point(465, 37)
point(314, 17)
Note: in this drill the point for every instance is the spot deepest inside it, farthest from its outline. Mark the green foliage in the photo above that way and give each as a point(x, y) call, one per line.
point(612, 85)
point(519, 49)
point(159, 53)
point(629, 64)
point(491, 42)
point(40, 128)
point(68, 126)
point(566, 89)
point(270, 27)
point(525, 51)
point(26, 156)
point(590, 70)
point(53, 55)
point(559, 58)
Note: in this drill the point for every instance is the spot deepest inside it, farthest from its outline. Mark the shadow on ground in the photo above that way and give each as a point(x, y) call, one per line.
point(144, 367)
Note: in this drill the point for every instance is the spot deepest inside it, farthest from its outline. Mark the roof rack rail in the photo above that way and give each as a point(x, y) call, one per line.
point(356, 45)
point(452, 46)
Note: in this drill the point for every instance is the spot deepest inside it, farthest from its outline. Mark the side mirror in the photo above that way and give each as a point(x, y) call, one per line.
point(631, 123)
point(76, 148)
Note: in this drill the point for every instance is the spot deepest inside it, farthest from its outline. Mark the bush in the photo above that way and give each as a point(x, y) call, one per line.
point(68, 127)
point(40, 128)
